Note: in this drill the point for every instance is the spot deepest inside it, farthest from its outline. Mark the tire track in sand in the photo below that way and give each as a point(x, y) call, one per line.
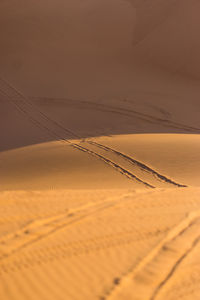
point(116, 166)
point(64, 250)
point(39, 229)
point(137, 163)
point(42, 228)
point(12, 91)
point(149, 279)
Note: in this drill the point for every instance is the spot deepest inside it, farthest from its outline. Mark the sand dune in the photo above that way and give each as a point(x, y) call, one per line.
point(99, 150)
point(81, 253)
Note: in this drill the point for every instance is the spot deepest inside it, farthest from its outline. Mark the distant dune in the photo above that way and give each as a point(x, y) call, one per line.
point(99, 150)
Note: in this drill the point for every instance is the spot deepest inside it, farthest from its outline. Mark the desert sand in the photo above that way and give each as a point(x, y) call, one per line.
point(99, 150)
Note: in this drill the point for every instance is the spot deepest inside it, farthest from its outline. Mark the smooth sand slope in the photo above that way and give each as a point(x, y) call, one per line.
point(99, 150)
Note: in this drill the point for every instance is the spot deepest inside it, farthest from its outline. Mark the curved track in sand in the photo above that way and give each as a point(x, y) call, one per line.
point(128, 112)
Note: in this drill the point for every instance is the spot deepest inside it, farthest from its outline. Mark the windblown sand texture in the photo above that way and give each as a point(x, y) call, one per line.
point(99, 150)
